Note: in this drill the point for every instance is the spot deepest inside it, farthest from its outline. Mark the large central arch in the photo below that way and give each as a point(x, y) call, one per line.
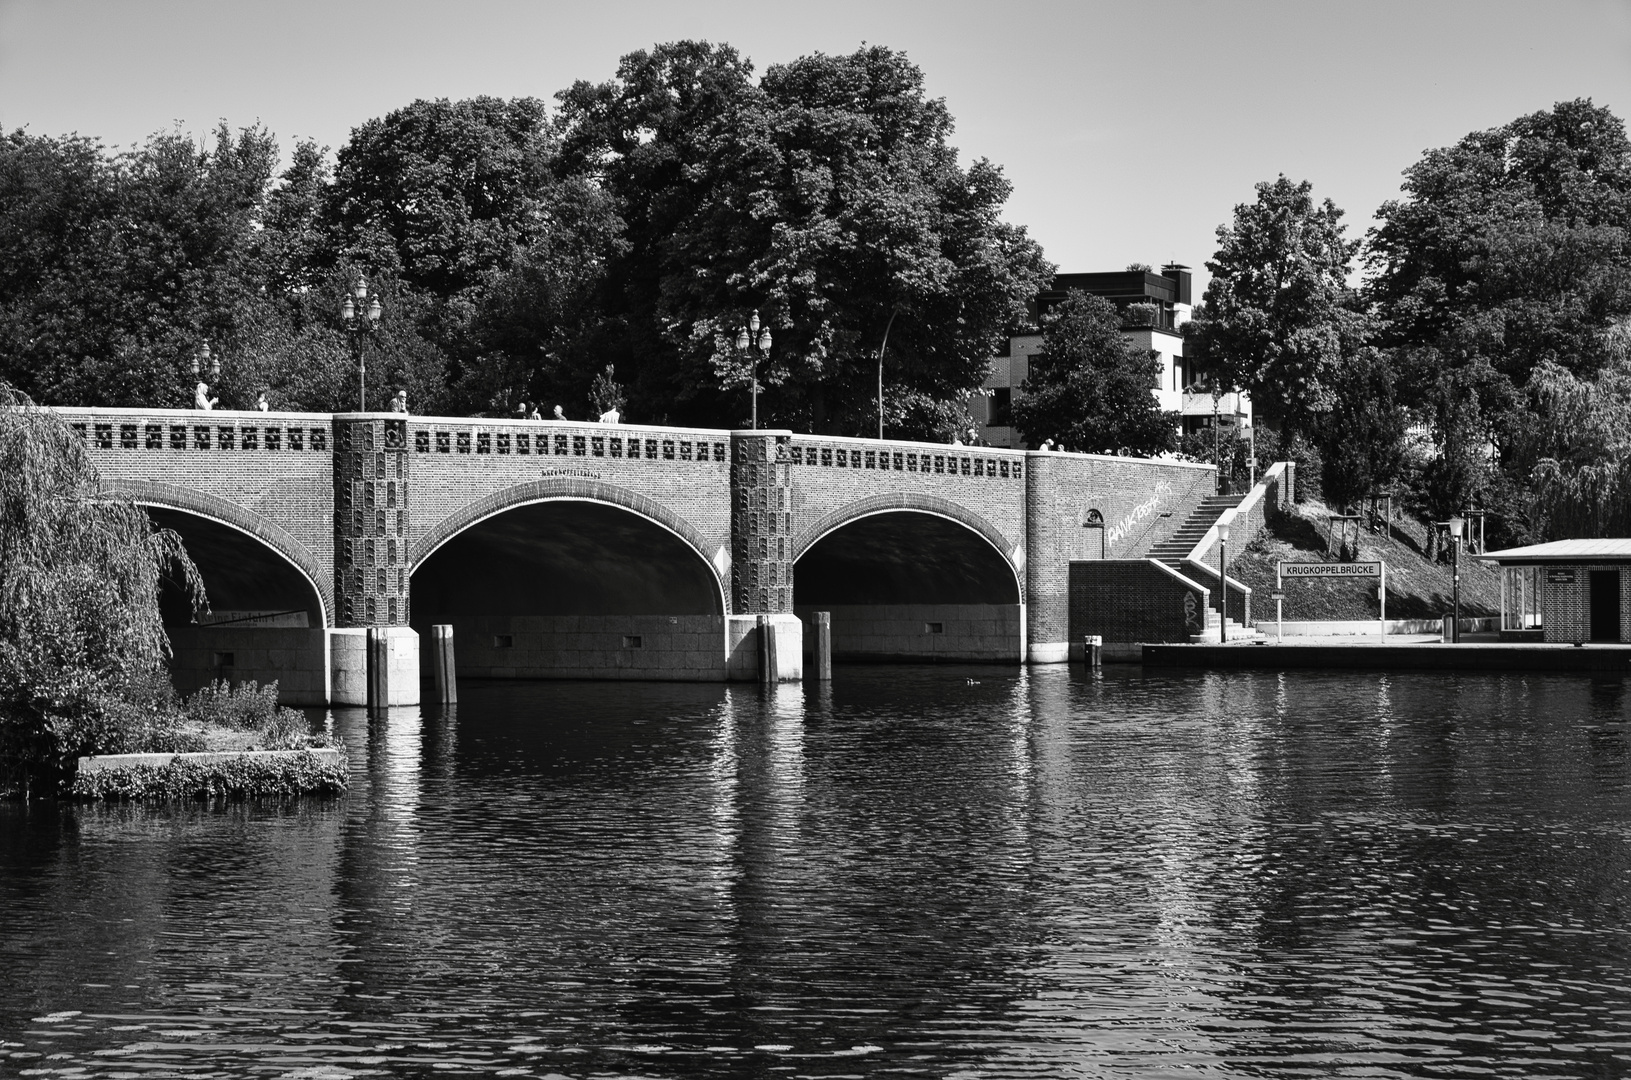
point(912, 582)
point(572, 580)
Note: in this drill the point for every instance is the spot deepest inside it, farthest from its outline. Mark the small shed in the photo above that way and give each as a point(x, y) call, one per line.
point(1566, 591)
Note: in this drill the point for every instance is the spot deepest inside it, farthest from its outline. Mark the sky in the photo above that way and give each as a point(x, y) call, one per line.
point(1129, 130)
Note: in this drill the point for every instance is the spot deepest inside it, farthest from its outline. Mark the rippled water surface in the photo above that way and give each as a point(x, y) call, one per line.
point(1043, 873)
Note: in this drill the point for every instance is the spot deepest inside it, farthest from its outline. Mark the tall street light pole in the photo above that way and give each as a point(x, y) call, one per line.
point(368, 320)
point(886, 328)
point(1223, 580)
point(1457, 523)
point(754, 348)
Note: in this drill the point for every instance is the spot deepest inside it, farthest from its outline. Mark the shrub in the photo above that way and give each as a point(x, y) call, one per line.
point(249, 707)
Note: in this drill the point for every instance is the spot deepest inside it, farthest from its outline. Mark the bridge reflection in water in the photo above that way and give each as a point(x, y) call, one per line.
point(904, 871)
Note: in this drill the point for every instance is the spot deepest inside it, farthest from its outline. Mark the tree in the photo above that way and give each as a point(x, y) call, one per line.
point(117, 268)
point(1278, 314)
point(82, 648)
point(828, 198)
point(1513, 244)
point(1362, 438)
point(1090, 387)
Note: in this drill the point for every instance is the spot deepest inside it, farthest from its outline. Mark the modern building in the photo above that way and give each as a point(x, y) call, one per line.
point(1154, 308)
point(1572, 591)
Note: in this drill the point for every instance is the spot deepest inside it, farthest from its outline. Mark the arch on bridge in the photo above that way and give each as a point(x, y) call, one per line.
point(570, 577)
point(912, 578)
point(912, 502)
point(229, 518)
point(566, 489)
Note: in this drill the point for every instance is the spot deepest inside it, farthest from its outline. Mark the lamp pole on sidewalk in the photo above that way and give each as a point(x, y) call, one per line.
point(1223, 580)
point(1457, 523)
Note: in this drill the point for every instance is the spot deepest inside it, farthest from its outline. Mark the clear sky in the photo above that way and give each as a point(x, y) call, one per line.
point(1129, 130)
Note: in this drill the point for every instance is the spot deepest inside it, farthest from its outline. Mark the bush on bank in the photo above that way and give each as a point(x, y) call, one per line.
point(241, 776)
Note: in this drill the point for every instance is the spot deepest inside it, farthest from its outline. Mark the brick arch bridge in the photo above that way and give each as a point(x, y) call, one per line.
point(359, 503)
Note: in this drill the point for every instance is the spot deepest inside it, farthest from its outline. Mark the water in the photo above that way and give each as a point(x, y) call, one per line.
point(1037, 874)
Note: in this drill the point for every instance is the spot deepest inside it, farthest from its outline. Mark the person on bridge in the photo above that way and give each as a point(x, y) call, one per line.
point(559, 415)
point(399, 403)
point(202, 399)
point(261, 403)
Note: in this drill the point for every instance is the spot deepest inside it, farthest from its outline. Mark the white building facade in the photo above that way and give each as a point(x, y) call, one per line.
point(1154, 308)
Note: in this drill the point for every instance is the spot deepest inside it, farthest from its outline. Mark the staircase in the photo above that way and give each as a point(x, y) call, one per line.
point(1237, 633)
point(1175, 549)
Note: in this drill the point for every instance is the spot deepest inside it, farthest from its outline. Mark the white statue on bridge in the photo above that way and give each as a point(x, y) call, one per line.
point(202, 399)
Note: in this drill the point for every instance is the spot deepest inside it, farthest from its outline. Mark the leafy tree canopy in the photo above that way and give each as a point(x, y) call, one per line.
point(828, 198)
point(1089, 388)
point(1514, 244)
point(1278, 315)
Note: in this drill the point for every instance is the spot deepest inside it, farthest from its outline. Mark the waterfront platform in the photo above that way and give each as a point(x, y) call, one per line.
point(1419, 655)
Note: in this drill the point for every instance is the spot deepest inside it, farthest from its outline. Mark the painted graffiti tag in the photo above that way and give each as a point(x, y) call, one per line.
point(1124, 528)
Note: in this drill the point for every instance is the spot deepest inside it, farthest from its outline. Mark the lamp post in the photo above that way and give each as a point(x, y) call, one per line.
point(886, 328)
point(349, 314)
point(203, 362)
point(1457, 523)
point(1223, 580)
point(754, 348)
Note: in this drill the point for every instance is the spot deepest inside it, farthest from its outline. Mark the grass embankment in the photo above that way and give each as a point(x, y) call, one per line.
point(221, 720)
point(1416, 587)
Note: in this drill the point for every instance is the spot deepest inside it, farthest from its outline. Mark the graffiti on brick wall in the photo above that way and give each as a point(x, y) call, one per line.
point(1122, 529)
point(1192, 615)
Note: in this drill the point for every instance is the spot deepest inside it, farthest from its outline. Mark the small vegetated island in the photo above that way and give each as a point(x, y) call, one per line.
point(83, 651)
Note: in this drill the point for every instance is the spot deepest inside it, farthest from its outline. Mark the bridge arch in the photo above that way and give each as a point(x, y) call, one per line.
point(567, 489)
point(912, 577)
point(212, 508)
point(934, 506)
point(572, 577)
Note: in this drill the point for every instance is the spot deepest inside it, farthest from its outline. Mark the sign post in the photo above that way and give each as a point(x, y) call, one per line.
point(1355, 570)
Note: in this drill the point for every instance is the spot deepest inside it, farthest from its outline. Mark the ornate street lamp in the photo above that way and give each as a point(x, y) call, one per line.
point(354, 325)
point(753, 344)
point(1223, 579)
point(1457, 523)
point(204, 362)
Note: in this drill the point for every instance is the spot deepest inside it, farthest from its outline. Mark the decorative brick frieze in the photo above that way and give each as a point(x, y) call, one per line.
point(761, 523)
point(371, 568)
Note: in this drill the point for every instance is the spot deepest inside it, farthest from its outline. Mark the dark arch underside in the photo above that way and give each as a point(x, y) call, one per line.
point(240, 573)
point(903, 557)
point(564, 557)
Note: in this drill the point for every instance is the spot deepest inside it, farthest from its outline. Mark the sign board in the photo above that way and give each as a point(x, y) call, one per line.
point(1277, 595)
point(1559, 577)
point(1371, 570)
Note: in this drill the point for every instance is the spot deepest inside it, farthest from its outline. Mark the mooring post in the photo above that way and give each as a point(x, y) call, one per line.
point(447, 683)
point(767, 649)
point(1092, 652)
point(379, 669)
point(823, 645)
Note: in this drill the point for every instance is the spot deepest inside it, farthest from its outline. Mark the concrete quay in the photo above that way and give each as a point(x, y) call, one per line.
point(1420, 655)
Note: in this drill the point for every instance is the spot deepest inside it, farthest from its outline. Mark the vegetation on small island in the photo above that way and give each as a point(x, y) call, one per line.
point(82, 647)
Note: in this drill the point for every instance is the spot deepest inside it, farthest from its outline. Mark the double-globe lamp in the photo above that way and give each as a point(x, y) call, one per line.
point(370, 319)
point(754, 342)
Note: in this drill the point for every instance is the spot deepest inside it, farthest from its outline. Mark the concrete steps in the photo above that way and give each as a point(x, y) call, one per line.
point(1236, 632)
point(1173, 550)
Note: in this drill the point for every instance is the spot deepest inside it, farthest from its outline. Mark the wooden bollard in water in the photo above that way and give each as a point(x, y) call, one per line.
point(767, 650)
point(447, 682)
point(379, 669)
point(823, 645)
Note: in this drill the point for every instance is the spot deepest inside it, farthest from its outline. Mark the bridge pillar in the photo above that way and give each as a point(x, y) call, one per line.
point(371, 506)
point(1047, 565)
point(762, 555)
